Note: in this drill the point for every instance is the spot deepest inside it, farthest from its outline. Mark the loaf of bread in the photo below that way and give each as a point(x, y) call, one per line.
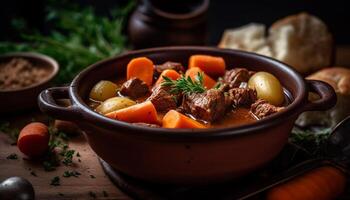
point(339, 79)
point(250, 37)
point(302, 41)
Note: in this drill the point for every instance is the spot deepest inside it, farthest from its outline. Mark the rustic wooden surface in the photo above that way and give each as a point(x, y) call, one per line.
point(75, 188)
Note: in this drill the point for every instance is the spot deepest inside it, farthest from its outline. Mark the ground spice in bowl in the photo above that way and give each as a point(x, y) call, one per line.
point(19, 73)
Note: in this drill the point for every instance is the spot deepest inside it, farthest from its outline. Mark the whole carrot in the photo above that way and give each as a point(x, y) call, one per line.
point(324, 183)
point(33, 139)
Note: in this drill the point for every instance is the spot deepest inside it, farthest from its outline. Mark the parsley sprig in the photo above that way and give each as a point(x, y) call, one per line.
point(185, 85)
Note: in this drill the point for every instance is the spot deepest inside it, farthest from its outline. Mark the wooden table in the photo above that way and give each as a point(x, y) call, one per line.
point(76, 187)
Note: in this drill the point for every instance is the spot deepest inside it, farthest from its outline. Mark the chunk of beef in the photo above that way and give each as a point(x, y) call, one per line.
point(242, 96)
point(228, 100)
point(235, 77)
point(162, 99)
point(208, 106)
point(261, 108)
point(134, 88)
point(147, 125)
point(169, 65)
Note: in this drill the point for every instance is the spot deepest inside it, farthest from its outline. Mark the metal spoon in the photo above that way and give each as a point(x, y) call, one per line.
point(338, 151)
point(16, 188)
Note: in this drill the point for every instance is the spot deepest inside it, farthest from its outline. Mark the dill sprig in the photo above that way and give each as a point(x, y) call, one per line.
point(185, 85)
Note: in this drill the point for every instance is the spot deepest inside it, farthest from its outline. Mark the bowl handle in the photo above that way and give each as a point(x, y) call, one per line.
point(327, 100)
point(47, 104)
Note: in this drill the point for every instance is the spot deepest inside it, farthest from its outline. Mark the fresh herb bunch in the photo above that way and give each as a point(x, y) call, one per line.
point(313, 142)
point(185, 85)
point(78, 38)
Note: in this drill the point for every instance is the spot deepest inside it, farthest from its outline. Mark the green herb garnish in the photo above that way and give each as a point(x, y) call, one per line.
point(68, 157)
point(71, 173)
point(55, 181)
point(58, 151)
point(217, 85)
point(185, 85)
point(12, 156)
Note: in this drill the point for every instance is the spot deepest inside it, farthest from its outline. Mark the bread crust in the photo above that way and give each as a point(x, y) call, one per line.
point(302, 41)
point(337, 77)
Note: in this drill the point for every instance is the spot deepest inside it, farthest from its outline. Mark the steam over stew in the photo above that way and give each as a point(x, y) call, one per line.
point(203, 96)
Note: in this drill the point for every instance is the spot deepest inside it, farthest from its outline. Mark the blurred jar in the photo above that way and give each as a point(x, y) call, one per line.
point(168, 22)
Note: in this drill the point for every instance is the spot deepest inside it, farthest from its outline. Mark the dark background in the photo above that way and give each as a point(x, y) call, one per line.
point(222, 14)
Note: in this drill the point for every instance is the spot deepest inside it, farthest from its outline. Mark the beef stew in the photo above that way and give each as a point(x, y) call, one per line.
point(206, 95)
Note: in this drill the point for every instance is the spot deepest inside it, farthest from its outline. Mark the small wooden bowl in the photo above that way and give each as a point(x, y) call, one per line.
point(25, 98)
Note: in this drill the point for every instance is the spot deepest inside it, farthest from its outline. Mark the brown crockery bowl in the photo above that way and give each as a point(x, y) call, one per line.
point(26, 97)
point(186, 156)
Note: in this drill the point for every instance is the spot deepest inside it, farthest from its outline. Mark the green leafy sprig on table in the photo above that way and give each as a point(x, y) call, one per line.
point(58, 152)
point(185, 85)
point(78, 37)
point(312, 142)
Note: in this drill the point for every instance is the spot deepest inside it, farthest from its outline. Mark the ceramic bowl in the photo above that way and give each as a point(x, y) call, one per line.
point(186, 156)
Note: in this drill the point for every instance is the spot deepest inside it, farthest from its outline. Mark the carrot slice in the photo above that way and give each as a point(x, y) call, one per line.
point(33, 139)
point(170, 73)
point(207, 81)
point(142, 112)
point(141, 68)
point(211, 65)
point(174, 119)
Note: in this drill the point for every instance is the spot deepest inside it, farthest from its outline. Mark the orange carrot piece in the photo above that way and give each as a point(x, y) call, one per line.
point(33, 140)
point(207, 81)
point(141, 68)
point(211, 65)
point(174, 119)
point(170, 73)
point(323, 183)
point(142, 112)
